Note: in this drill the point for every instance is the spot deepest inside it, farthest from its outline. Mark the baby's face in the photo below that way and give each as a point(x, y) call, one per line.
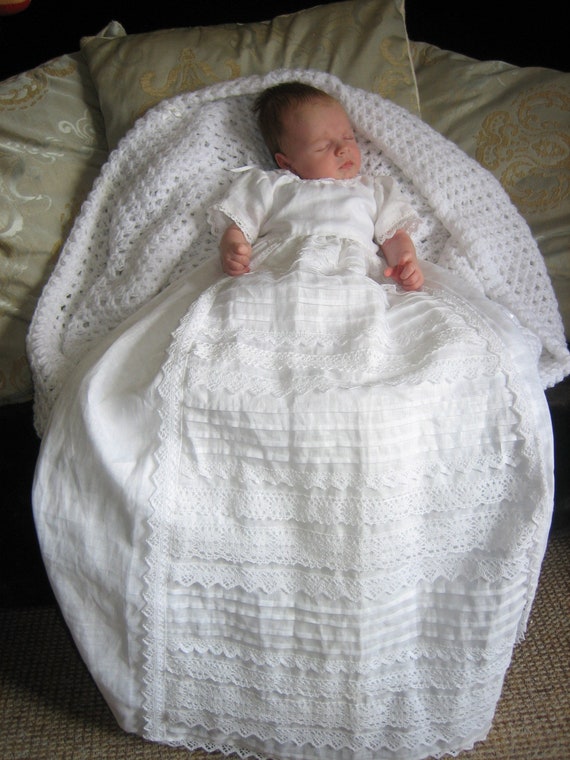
point(319, 142)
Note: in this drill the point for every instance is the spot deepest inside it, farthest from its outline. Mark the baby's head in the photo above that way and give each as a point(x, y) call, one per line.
point(308, 132)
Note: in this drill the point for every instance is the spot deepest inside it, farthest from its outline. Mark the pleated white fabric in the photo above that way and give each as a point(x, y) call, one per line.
point(323, 545)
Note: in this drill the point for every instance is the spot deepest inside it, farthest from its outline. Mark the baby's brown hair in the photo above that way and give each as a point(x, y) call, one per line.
point(273, 103)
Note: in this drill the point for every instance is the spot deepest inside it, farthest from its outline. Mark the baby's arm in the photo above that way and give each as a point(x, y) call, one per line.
point(235, 251)
point(403, 266)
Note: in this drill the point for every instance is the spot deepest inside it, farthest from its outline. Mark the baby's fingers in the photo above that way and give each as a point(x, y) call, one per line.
point(234, 268)
point(408, 275)
point(407, 271)
point(414, 280)
point(392, 272)
point(241, 249)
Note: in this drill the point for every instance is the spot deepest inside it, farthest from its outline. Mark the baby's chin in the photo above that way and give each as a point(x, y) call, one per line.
point(350, 170)
point(338, 174)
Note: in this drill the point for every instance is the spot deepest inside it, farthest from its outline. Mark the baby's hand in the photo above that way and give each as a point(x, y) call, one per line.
point(407, 274)
point(235, 252)
point(235, 259)
point(403, 267)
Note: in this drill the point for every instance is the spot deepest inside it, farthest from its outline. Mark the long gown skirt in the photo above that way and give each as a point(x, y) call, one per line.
point(301, 513)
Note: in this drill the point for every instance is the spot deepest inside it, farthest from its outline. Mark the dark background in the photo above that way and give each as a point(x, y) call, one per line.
point(536, 36)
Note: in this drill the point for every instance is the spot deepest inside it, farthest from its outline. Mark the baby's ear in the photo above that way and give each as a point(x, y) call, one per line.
point(282, 161)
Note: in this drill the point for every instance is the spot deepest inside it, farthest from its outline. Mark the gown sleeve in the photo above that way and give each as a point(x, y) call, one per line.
point(247, 203)
point(394, 212)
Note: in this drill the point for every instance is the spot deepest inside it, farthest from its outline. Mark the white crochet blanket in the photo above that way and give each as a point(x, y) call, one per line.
point(144, 223)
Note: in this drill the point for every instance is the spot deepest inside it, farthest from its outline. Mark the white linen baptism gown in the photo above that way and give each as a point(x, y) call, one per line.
point(307, 507)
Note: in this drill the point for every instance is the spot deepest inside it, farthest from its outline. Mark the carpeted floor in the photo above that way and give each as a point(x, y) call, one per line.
point(51, 710)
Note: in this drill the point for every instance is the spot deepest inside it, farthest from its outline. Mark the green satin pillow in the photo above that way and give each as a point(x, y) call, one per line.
point(363, 42)
point(52, 145)
point(516, 122)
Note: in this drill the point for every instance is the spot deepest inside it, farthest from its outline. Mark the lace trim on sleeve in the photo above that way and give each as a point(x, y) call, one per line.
point(409, 223)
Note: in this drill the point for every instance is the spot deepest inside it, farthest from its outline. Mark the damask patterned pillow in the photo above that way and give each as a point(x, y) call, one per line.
point(364, 42)
point(515, 122)
point(52, 145)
